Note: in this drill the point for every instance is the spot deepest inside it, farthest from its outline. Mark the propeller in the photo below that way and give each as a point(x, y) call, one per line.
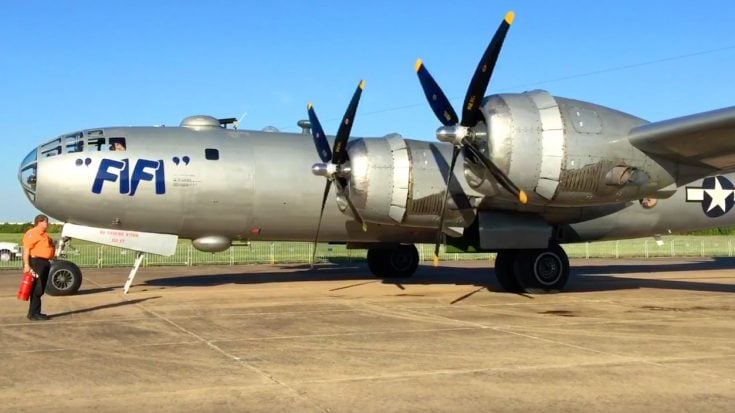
point(334, 171)
point(459, 132)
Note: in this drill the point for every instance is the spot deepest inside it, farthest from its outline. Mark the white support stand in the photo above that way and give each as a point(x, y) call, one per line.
point(138, 259)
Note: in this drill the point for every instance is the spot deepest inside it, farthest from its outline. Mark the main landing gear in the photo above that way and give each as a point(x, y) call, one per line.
point(393, 261)
point(532, 271)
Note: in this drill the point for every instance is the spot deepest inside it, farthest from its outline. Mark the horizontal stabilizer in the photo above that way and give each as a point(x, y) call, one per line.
point(705, 139)
point(161, 244)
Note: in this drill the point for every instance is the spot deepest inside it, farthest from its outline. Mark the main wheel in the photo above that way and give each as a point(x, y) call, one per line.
point(504, 271)
point(542, 270)
point(376, 259)
point(397, 262)
point(64, 278)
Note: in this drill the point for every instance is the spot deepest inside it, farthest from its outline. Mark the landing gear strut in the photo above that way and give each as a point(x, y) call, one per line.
point(393, 262)
point(533, 271)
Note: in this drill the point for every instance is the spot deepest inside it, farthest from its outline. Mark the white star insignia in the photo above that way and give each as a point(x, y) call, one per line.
point(719, 196)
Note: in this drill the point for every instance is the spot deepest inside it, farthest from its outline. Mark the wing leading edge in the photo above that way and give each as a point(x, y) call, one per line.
point(705, 139)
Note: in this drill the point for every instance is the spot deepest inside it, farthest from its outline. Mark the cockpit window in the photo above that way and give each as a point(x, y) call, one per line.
point(73, 142)
point(27, 175)
point(118, 144)
point(96, 142)
point(52, 148)
point(31, 157)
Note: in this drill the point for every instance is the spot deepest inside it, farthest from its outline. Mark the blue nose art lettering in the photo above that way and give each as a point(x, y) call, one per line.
point(106, 172)
point(119, 171)
point(140, 174)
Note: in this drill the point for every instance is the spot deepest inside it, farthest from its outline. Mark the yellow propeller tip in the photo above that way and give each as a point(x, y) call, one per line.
point(509, 17)
point(364, 227)
point(522, 197)
point(362, 84)
point(418, 64)
point(436, 261)
point(308, 106)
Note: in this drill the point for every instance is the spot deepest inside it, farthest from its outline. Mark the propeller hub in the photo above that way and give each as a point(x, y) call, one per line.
point(321, 169)
point(329, 170)
point(453, 134)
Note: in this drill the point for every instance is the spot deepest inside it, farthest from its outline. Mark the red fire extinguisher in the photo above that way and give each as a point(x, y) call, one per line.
point(26, 285)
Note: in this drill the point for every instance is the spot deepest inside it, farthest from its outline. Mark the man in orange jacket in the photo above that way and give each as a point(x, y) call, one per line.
point(38, 250)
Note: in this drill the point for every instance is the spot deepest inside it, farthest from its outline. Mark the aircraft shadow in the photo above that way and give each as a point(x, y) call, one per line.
point(584, 278)
point(103, 307)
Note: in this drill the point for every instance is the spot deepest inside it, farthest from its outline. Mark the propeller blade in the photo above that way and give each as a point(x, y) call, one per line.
point(481, 78)
point(439, 233)
point(502, 179)
point(437, 99)
point(319, 225)
point(355, 214)
point(320, 140)
point(339, 154)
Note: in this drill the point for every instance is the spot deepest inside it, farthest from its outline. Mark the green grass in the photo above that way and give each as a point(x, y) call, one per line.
point(87, 254)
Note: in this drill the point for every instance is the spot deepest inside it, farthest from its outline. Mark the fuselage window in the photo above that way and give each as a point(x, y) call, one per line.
point(211, 154)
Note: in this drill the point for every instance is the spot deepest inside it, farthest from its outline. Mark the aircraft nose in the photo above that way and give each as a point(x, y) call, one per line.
point(28, 174)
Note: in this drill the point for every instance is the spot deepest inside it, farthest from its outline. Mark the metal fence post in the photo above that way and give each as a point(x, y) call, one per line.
point(189, 256)
point(617, 249)
point(232, 256)
point(645, 248)
point(99, 257)
point(273, 253)
point(587, 250)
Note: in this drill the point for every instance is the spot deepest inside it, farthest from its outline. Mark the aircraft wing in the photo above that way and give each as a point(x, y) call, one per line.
point(705, 139)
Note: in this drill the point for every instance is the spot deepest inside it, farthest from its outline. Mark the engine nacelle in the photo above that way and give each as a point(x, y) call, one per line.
point(564, 152)
point(397, 181)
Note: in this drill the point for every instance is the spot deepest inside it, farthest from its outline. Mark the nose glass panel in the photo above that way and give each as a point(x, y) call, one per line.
point(28, 175)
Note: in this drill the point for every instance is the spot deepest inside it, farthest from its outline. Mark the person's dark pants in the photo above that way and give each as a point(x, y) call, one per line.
point(41, 267)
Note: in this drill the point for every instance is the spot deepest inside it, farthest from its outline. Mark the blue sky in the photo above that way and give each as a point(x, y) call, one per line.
point(66, 66)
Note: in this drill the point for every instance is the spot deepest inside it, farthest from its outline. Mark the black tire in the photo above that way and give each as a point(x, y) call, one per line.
point(376, 261)
point(504, 271)
point(399, 262)
point(542, 270)
point(64, 278)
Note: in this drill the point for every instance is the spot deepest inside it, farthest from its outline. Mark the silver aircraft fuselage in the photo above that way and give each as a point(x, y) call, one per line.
point(258, 186)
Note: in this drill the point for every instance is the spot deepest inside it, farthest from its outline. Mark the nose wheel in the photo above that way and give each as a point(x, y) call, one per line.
point(533, 271)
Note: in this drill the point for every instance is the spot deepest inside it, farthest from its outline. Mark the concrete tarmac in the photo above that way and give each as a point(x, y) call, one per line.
point(627, 336)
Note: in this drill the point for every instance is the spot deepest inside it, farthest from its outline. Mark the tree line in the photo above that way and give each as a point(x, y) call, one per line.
point(19, 228)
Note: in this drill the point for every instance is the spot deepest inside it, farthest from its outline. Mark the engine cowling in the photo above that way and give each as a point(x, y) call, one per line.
point(399, 181)
point(563, 152)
